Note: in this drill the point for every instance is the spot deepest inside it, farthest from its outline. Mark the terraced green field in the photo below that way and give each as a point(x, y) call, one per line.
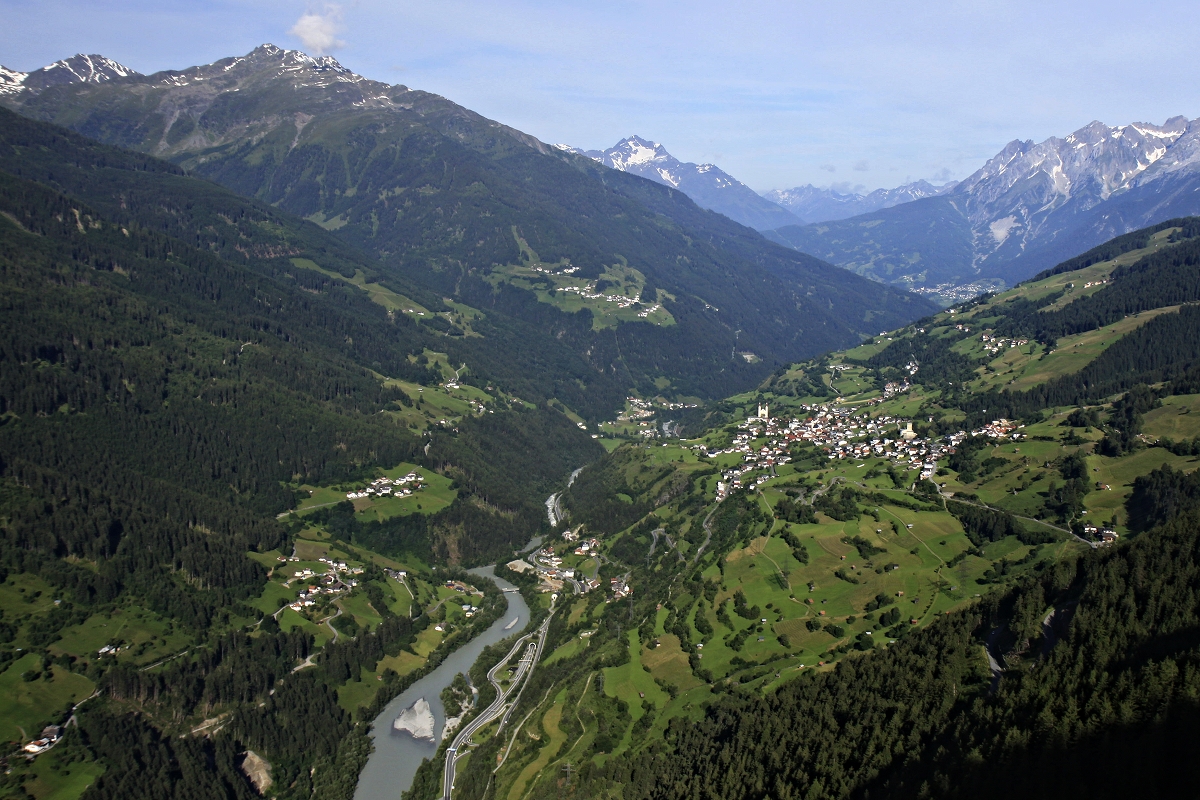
point(53, 778)
point(1021, 368)
point(629, 681)
point(1178, 418)
point(382, 295)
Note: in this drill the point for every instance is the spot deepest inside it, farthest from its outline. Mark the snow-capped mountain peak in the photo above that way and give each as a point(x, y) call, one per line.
point(82, 68)
point(78, 68)
point(635, 151)
point(1028, 207)
point(1096, 160)
point(706, 184)
point(11, 81)
point(98, 69)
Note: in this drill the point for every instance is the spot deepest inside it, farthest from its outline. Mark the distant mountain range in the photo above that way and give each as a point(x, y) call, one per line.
point(708, 185)
point(813, 204)
point(583, 283)
point(1027, 208)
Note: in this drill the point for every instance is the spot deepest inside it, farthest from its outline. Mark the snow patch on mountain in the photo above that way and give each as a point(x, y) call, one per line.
point(11, 81)
point(1001, 227)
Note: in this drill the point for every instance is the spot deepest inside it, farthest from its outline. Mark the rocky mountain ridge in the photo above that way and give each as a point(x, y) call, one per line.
point(1027, 208)
point(78, 68)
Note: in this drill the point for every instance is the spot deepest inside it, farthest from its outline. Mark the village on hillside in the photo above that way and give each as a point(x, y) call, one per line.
point(841, 432)
point(333, 582)
point(382, 487)
point(552, 571)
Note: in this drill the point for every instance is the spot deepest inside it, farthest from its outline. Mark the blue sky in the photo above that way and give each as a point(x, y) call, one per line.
point(776, 93)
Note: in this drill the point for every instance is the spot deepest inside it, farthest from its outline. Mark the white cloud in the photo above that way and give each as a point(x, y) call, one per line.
point(318, 31)
point(829, 167)
point(862, 166)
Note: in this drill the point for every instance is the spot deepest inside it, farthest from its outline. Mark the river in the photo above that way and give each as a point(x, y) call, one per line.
point(391, 768)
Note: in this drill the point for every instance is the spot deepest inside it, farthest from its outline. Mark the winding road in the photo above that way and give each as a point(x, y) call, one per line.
point(534, 643)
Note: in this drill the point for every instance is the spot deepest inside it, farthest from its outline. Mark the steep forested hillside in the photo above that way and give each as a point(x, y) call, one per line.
point(461, 204)
point(173, 382)
point(133, 333)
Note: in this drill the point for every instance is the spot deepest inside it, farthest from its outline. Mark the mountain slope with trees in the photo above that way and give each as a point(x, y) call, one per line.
point(448, 200)
point(1016, 612)
point(170, 379)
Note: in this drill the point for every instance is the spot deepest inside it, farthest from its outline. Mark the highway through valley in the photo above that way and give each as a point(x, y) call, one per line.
point(501, 706)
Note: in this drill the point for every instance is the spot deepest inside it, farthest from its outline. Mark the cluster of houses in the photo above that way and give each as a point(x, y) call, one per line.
point(334, 581)
point(996, 344)
point(1102, 536)
point(891, 389)
point(618, 588)
point(753, 458)
point(996, 429)
point(463, 588)
point(550, 570)
point(955, 293)
point(638, 409)
point(389, 487)
point(647, 312)
point(589, 292)
point(469, 608)
point(842, 433)
point(587, 547)
point(548, 271)
point(1090, 284)
point(642, 412)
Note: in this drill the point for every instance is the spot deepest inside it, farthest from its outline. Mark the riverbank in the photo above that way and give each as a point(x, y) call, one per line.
point(397, 756)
